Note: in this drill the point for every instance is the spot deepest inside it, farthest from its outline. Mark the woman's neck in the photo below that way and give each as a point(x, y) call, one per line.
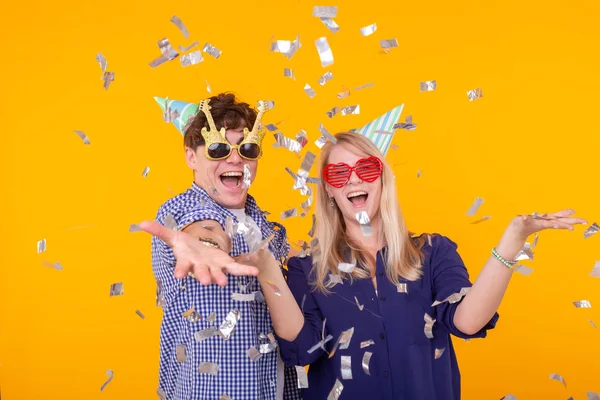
point(372, 243)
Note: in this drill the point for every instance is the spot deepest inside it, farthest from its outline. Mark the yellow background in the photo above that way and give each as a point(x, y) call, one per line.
point(530, 144)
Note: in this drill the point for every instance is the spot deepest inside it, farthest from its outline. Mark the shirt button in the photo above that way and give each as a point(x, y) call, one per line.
point(386, 374)
point(382, 298)
point(382, 336)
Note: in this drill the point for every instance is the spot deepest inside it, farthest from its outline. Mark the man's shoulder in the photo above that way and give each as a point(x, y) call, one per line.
point(183, 203)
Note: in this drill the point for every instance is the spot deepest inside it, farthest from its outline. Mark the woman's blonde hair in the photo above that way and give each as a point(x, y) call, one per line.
point(403, 256)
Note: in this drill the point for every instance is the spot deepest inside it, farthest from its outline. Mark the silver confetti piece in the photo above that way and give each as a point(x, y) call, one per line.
point(582, 304)
point(170, 222)
point(225, 397)
point(139, 313)
point(160, 299)
point(253, 353)
point(108, 77)
point(167, 53)
point(247, 177)
point(344, 94)
point(56, 265)
point(195, 57)
point(287, 143)
point(228, 325)
point(559, 378)
point(346, 267)
point(428, 86)
point(368, 30)
point(309, 91)
point(524, 270)
point(429, 326)
point(351, 110)
point(180, 355)
point(307, 162)
point(365, 223)
point(402, 288)
point(366, 343)
point(593, 396)
point(592, 230)
point(482, 219)
point(242, 296)
point(208, 89)
point(266, 348)
point(419, 173)
point(320, 345)
point(360, 306)
point(302, 377)
point(212, 50)
point(438, 353)
point(330, 24)
point(301, 138)
point(366, 360)
point(596, 270)
point(289, 213)
point(303, 299)
point(41, 246)
point(111, 375)
point(286, 47)
point(346, 362)
point(325, 136)
point(325, 53)
point(188, 48)
point(274, 287)
point(525, 253)
point(474, 94)
point(146, 172)
point(334, 279)
point(83, 137)
point(331, 113)
point(206, 334)
point(208, 368)
point(336, 391)
point(388, 43)
point(367, 85)
point(535, 241)
point(161, 394)
point(134, 228)
point(191, 315)
point(454, 297)
point(271, 127)
point(343, 341)
point(102, 61)
point(288, 73)
point(407, 124)
point(509, 397)
point(179, 23)
point(311, 233)
point(325, 78)
point(593, 324)
point(212, 318)
point(476, 204)
point(325, 11)
point(116, 289)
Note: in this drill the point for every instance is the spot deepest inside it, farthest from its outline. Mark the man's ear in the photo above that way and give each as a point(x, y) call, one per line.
point(190, 158)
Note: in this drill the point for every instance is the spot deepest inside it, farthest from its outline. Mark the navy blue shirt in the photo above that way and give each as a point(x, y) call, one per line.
point(403, 364)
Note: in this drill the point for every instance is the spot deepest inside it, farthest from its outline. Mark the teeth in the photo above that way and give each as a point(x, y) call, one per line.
point(232, 174)
point(354, 194)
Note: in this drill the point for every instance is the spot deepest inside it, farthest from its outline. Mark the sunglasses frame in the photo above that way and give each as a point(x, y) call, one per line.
point(231, 148)
point(353, 169)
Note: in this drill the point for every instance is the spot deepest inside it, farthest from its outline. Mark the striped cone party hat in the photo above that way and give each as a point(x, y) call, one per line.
point(384, 124)
point(179, 111)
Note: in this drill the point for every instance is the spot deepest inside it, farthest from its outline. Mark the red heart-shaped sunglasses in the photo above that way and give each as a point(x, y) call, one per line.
point(367, 169)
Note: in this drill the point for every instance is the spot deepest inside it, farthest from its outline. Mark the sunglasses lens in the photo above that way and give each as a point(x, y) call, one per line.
point(217, 151)
point(250, 151)
point(336, 174)
point(369, 169)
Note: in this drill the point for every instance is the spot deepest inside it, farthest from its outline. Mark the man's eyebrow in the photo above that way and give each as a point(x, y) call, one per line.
point(240, 140)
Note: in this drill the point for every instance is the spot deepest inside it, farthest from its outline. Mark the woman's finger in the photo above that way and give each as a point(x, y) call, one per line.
point(240, 270)
point(564, 213)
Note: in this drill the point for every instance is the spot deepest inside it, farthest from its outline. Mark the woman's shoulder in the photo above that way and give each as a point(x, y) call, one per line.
point(434, 244)
point(300, 263)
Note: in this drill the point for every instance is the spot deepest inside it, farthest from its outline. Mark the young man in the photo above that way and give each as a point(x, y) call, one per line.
point(215, 340)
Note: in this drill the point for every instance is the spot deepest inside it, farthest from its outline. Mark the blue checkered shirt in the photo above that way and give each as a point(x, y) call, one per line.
point(239, 377)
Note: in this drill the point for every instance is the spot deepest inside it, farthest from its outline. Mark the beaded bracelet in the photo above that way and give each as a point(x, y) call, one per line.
point(498, 257)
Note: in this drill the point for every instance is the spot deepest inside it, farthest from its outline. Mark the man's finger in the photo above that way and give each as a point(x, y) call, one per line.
point(182, 268)
point(155, 229)
point(240, 270)
point(218, 276)
point(202, 274)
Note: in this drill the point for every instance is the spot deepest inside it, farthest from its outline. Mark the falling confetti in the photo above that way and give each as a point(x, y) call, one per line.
point(509, 397)
point(593, 396)
point(368, 30)
point(188, 48)
point(559, 378)
point(388, 43)
point(145, 172)
point(334, 279)
point(592, 230)
point(56, 265)
point(302, 377)
point(275, 288)
point(208, 368)
point(83, 137)
point(331, 113)
point(289, 213)
point(366, 343)
point(135, 228)
point(288, 73)
point(287, 143)
point(212, 50)
point(454, 297)
point(407, 124)
point(336, 391)
point(439, 352)
point(522, 269)
point(167, 53)
point(325, 53)
point(346, 362)
point(325, 136)
point(525, 253)
point(247, 177)
point(195, 57)
point(474, 94)
point(330, 24)
point(596, 270)
point(476, 204)
point(325, 11)
point(429, 326)
point(344, 94)
point(311, 233)
point(343, 341)
point(428, 86)
point(41, 246)
point(228, 325)
point(367, 85)
point(309, 91)
point(179, 23)
point(208, 89)
point(402, 288)
point(170, 222)
point(180, 353)
point(351, 110)
point(593, 324)
point(365, 223)
point(325, 78)
point(191, 315)
point(139, 313)
point(116, 289)
point(582, 304)
point(535, 241)
point(206, 334)
point(110, 374)
point(482, 219)
point(346, 267)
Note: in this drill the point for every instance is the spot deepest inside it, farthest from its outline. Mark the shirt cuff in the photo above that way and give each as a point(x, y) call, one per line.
point(295, 352)
point(480, 334)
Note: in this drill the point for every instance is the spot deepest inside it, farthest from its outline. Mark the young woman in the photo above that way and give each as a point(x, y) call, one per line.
point(372, 310)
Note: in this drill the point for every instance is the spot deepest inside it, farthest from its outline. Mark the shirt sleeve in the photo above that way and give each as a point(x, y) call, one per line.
point(296, 351)
point(279, 244)
point(449, 276)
